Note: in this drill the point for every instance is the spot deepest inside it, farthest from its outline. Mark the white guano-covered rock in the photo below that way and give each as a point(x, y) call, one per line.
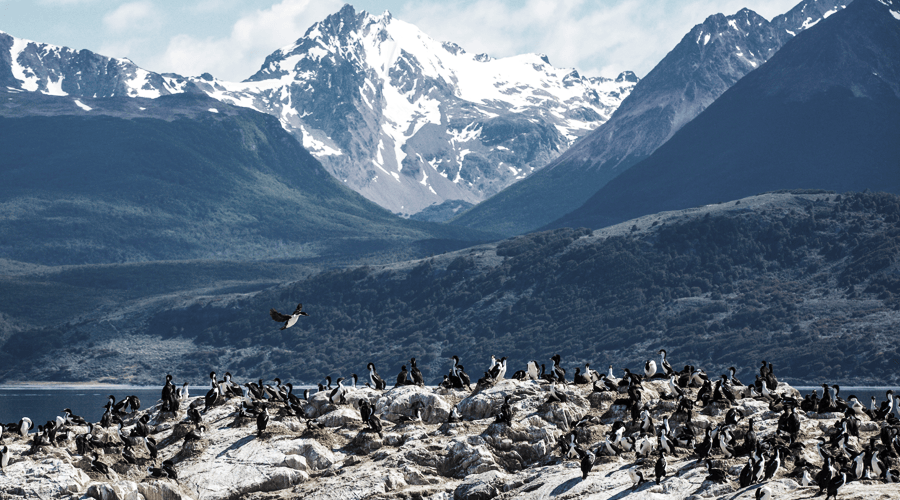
point(48, 478)
point(402, 402)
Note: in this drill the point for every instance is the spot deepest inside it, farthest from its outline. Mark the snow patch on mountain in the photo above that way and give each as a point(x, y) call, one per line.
point(362, 89)
point(26, 76)
point(371, 95)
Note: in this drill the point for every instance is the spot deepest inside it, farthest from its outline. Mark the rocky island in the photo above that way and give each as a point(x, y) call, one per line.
point(552, 440)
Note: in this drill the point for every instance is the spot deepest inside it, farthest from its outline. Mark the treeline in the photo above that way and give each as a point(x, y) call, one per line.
point(810, 287)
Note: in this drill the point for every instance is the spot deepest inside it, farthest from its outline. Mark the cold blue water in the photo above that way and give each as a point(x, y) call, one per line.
point(863, 394)
point(42, 404)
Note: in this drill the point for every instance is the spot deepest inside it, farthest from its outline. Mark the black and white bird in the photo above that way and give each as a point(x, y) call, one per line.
point(128, 456)
point(403, 377)
point(660, 467)
point(458, 376)
point(587, 462)
point(288, 320)
point(415, 373)
point(558, 371)
point(98, 466)
point(556, 397)
point(4, 457)
point(505, 413)
point(835, 484)
point(337, 395)
point(498, 371)
point(378, 383)
point(262, 421)
point(157, 472)
point(150, 444)
point(195, 434)
point(664, 364)
point(73, 419)
point(763, 493)
point(636, 477)
point(169, 467)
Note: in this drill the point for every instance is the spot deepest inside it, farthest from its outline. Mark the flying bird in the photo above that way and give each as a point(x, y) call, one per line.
point(288, 320)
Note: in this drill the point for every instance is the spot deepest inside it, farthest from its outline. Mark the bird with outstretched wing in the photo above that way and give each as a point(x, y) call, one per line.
point(288, 320)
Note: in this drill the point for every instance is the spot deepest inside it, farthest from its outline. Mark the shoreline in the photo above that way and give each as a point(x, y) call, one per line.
point(15, 386)
point(46, 386)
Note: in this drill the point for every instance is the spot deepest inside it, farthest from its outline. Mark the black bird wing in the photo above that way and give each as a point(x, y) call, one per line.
point(299, 310)
point(277, 316)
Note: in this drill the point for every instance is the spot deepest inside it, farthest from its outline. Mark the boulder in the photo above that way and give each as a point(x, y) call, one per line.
point(317, 456)
point(44, 479)
point(340, 417)
point(468, 455)
point(160, 490)
point(403, 400)
point(296, 462)
point(484, 486)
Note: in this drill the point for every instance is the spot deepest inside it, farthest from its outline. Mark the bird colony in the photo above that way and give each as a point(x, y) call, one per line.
point(536, 433)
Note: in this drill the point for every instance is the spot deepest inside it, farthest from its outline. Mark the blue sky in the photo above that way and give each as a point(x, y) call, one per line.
point(230, 38)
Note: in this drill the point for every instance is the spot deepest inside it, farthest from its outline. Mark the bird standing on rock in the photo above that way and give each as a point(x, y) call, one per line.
point(98, 466)
point(262, 421)
point(587, 462)
point(505, 414)
point(378, 383)
point(636, 477)
point(403, 377)
point(415, 373)
point(660, 467)
point(558, 371)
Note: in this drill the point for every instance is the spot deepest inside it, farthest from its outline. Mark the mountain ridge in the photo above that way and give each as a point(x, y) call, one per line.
point(178, 177)
point(709, 59)
point(806, 280)
point(824, 108)
point(408, 122)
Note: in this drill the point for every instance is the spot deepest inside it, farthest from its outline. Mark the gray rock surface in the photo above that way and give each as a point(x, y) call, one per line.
point(476, 458)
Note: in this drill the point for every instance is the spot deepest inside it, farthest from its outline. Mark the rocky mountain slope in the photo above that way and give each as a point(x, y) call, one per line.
point(706, 62)
point(329, 452)
point(405, 120)
point(821, 113)
point(806, 281)
point(410, 122)
point(27, 66)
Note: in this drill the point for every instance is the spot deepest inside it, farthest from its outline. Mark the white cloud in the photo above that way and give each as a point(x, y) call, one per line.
point(595, 37)
point(133, 16)
point(66, 2)
point(252, 38)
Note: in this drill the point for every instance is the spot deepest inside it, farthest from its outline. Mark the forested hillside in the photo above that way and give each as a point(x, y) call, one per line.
point(806, 281)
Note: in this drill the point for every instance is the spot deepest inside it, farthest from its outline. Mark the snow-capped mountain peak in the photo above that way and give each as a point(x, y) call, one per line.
point(54, 70)
point(429, 121)
point(406, 120)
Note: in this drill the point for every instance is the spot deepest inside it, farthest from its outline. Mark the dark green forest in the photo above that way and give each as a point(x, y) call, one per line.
point(808, 282)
